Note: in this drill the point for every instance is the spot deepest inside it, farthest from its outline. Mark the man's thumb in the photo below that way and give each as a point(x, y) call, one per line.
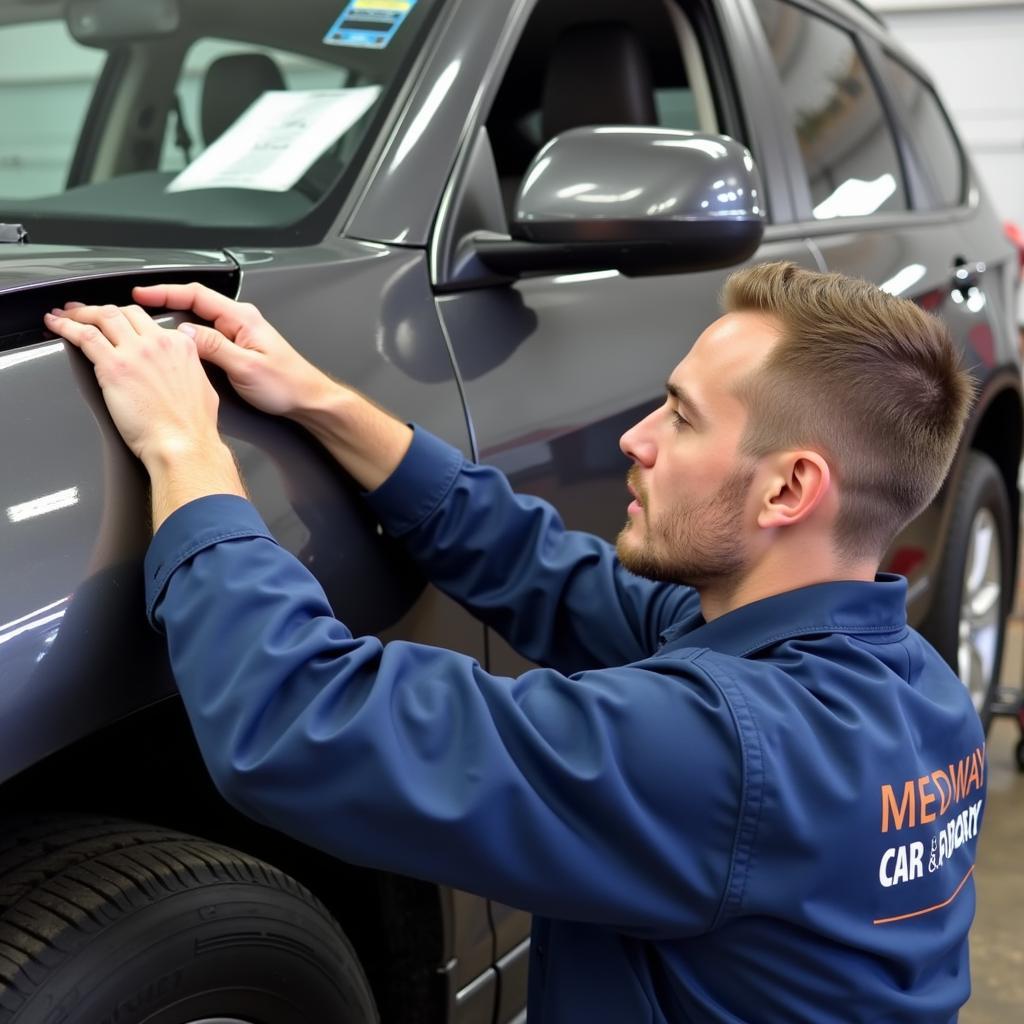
point(213, 346)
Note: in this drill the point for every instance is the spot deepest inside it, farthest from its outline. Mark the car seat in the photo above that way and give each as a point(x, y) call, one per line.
point(230, 86)
point(597, 73)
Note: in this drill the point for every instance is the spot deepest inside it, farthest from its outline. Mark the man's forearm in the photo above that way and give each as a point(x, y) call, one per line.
point(368, 442)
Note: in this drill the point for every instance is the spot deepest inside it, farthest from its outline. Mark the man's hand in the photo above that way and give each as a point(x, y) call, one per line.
point(269, 374)
point(154, 385)
point(160, 400)
point(262, 367)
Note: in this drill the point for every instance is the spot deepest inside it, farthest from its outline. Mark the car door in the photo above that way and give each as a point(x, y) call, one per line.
point(555, 366)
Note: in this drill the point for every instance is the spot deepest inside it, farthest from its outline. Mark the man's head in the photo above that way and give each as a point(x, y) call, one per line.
point(817, 402)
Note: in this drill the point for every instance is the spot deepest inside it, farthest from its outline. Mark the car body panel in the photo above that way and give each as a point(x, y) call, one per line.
point(77, 557)
point(36, 266)
point(401, 197)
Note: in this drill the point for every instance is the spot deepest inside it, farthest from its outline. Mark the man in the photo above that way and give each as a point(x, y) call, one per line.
point(739, 789)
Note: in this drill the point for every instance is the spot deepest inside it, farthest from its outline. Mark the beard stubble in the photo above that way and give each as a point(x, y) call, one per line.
point(697, 544)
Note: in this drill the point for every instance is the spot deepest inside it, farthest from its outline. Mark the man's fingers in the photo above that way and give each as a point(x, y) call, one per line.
point(110, 320)
point(215, 348)
point(169, 296)
point(84, 336)
point(227, 315)
point(140, 320)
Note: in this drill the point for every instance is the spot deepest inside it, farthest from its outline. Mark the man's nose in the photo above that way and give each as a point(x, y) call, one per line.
point(638, 442)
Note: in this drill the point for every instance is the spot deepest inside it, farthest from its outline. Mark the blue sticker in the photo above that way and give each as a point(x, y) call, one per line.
point(369, 24)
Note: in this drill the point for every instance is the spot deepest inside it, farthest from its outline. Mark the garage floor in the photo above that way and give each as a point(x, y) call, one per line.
point(997, 939)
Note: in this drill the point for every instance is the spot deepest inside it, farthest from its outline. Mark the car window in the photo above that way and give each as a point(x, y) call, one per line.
point(677, 108)
point(183, 135)
point(934, 139)
point(211, 129)
point(603, 62)
point(42, 105)
point(844, 135)
point(674, 108)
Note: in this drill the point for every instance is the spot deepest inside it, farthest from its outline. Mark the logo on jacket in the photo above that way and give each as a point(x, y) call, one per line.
point(926, 799)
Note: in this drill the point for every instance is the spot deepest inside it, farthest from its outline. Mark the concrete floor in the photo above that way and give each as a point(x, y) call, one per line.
point(997, 938)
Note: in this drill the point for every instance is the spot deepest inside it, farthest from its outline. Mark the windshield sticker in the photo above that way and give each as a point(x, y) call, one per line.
point(370, 24)
point(277, 139)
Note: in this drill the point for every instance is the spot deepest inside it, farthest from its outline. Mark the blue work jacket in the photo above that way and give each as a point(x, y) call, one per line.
point(769, 817)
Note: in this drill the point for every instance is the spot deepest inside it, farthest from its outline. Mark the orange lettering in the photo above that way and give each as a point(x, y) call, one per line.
point(942, 784)
point(958, 775)
point(974, 777)
point(926, 799)
point(905, 808)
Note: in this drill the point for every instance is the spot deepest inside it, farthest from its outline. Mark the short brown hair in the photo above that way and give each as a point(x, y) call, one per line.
point(870, 380)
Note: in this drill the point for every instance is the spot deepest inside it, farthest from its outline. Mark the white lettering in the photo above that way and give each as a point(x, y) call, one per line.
point(886, 857)
point(908, 864)
point(954, 834)
point(916, 855)
point(900, 874)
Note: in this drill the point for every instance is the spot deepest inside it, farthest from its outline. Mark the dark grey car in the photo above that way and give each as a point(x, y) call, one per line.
point(403, 216)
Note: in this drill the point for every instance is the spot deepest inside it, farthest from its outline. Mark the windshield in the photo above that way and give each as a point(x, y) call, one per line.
point(193, 122)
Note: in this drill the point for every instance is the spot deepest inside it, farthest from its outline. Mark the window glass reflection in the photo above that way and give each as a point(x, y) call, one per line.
point(844, 136)
point(929, 127)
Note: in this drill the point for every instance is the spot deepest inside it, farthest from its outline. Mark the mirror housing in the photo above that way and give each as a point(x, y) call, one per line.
point(633, 199)
point(104, 23)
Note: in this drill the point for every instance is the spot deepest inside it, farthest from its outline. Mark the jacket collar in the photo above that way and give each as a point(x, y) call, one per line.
point(846, 606)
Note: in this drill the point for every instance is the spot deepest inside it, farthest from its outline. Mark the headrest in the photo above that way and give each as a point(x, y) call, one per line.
point(597, 74)
point(230, 86)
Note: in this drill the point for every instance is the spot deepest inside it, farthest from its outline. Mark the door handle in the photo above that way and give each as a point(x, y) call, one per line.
point(966, 274)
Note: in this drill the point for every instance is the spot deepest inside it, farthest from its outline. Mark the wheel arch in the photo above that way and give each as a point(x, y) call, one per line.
point(148, 768)
point(997, 430)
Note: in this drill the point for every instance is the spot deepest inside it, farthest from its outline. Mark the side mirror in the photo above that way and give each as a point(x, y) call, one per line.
point(633, 199)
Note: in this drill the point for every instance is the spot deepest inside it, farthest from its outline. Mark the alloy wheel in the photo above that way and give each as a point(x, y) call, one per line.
point(980, 607)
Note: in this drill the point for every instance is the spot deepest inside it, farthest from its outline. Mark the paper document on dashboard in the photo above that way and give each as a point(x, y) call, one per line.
point(278, 138)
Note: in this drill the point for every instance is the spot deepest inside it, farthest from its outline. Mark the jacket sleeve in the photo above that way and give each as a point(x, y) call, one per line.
point(559, 597)
point(611, 796)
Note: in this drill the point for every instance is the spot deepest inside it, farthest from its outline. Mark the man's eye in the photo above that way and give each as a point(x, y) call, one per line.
point(678, 422)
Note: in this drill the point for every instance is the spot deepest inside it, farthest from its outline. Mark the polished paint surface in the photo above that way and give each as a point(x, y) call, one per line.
point(34, 266)
point(76, 522)
point(651, 178)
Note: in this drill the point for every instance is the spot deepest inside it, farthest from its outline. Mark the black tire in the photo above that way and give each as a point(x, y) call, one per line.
point(981, 488)
point(109, 921)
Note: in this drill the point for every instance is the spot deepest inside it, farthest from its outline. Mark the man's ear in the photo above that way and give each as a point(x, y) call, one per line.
point(798, 483)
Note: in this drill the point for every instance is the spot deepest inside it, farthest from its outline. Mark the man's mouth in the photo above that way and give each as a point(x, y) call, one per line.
point(635, 492)
point(636, 505)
